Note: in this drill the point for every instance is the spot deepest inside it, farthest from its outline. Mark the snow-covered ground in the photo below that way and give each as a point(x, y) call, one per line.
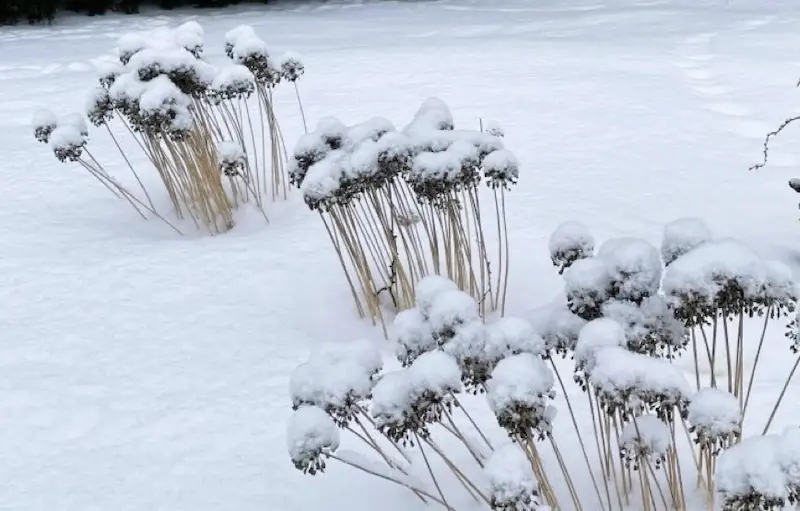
point(142, 371)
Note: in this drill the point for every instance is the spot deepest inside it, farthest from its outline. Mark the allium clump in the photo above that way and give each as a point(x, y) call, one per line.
point(570, 242)
point(650, 327)
point(311, 434)
point(634, 267)
point(587, 285)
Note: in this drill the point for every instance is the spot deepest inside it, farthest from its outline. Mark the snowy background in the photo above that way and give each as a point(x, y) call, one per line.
point(142, 371)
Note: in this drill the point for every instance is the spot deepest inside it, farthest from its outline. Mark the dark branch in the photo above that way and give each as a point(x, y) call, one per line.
point(769, 136)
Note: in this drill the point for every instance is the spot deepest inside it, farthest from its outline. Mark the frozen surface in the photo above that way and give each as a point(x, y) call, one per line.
point(141, 371)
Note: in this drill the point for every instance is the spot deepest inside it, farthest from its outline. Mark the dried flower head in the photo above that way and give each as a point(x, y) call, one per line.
point(292, 67)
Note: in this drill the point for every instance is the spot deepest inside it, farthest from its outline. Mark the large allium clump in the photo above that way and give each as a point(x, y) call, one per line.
point(400, 204)
point(182, 110)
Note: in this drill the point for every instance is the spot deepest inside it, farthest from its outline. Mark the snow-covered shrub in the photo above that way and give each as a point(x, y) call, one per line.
point(570, 242)
point(185, 115)
point(401, 204)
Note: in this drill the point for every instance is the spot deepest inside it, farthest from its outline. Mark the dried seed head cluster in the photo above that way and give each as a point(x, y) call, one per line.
point(645, 439)
point(715, 419)
point(570, 242)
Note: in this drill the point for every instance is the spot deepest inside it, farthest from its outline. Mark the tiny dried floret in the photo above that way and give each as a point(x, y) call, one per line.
point(644, 439)
point(519, 393)
point(44, 123)
point(570, 242)
point(512, 485)
point(634, 266)
point(681, 236)
point(587, 285)
point(715, 419)
point(412, 335)
point(310, 436)
point(292, 67)
point(231, 158)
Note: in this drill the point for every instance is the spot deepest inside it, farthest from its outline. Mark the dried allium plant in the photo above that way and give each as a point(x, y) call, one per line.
point(209, 132)
point(401, 205)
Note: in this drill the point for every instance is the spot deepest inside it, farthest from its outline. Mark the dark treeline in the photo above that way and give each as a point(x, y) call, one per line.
point(38, 11)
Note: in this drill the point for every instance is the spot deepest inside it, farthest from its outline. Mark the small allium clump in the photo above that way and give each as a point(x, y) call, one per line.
point(570, 242)
point(512, 486)
point(645, 439)
point(44, 123)
point(231, 158)
point(311, 434)
point(715, 419)
point(519, 393)
point(681, 236)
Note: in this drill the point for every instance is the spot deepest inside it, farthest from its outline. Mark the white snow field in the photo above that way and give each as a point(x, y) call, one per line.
point(144, 371)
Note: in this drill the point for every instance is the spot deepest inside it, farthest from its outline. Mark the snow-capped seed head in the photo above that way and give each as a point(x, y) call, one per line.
point(587, 284)
point(501, 169)
point(362, 353)
point(391, 403)
point(435, 375)
point(793, 333)
point(99, 107)
point(395, 154)
point(512, 485)
point(748, 476)
point(164, 108)
point(251, 52)
point(570, 242)
point(788, 457)
point(433, 114)
point(310, 436)
point(332, 131)
point(44, 123)
point(596, 335)
point(232, 82)
point(76, 121)
point(778, 295)
point(292, 67)
point(634, 266)
point(519, 391)
point(511, 336)
point(67, 143)
point(651, 327)
point(468, 347)
point(558, 326)
point(428, 288)
point(715, 418)
point(645, 438)
point(719, 274)
point(232, 36)
point(337, 386)
point(449, 310)
point(108, 73)
point(230, 158)
point(189, 36)
point(628, 383)
point(130, 44)
point(681, 236)
point(370, 130)
point(412, 336)
point(494, 129)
